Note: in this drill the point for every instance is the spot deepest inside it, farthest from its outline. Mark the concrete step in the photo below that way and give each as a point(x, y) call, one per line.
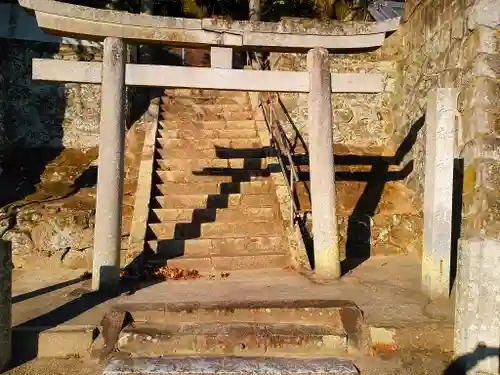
point(215, 187)
point(213, 201)
point(189, 230)
point(231, 262)
point(202, 134)
point(206, 215)
point(190, 164)
point(168, 249)
point(210, 143)
point(211, 176)
point(238, 338)
point(214, 152)
point(231, 365)
point(207, 125)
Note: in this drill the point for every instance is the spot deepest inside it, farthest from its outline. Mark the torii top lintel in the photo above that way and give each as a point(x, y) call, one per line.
point(290, 34)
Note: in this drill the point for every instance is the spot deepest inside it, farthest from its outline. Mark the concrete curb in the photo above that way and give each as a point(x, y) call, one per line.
point(55, 342)
point(143, 192)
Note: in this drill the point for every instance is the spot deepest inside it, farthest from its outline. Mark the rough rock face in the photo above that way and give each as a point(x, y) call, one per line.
point(61, 231)
point(37, 121)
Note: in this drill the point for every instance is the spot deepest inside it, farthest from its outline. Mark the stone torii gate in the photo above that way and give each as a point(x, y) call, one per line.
point(117, 28)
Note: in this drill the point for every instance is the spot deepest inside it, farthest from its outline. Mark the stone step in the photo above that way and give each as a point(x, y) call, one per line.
point(238, 338)
point(230, 365)
point(190, 124)
point(202, 93)
point(168, 249)
point(190, 164)
point(211, 176)
point(189, 116)
point(189, 101)
point(213, 201)
point(202, 134)
point(151, 308)
point(214, 152)
point(231, 262)
point(173, 106)
point(207, 215)
point(215, 187)
point(205, 100)
point(210, 143)
point(189, 230)
point(205, 114)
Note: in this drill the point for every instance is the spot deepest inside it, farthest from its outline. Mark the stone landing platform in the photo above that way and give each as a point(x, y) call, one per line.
point(54, 317)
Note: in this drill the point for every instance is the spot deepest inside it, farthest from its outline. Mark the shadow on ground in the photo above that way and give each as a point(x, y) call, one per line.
point(358, 246)
point(465, 363)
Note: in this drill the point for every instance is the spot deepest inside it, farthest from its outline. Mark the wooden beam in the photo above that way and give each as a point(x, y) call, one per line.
point(203, 78)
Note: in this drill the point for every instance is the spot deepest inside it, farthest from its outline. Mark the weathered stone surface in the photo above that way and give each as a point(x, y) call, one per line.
point(231, 365)
point(477, 305)
point(21, 242)
point(78, 259)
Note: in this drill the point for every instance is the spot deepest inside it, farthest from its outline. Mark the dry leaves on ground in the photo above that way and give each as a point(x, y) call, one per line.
point(177, 274)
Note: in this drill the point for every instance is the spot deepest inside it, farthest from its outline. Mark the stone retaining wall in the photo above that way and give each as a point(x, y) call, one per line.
point(446, 45)
point(360, 120)
point(42, 114)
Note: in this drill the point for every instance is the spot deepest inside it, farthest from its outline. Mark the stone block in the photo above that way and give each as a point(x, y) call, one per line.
point(481, 40)
point(62, 342)
point(481, 92)
point(478, 122)
point(477, 335)
point(221, 57)
point(484, 13)
point(485, 147)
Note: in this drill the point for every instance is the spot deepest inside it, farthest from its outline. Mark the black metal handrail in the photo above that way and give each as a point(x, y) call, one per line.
point(280, 143)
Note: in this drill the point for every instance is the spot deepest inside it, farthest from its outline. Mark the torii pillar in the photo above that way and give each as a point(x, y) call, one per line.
point(108, 222)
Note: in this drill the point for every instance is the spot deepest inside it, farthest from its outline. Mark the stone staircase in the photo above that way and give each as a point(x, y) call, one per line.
point(256, 320)
point(213, 206)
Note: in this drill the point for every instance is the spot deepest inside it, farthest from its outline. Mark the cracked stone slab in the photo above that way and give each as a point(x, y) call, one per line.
point(231, 365)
